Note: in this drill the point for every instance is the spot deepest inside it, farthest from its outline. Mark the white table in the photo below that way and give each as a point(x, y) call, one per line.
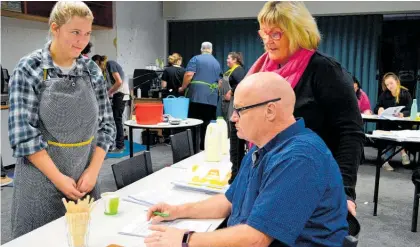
point(185, 124)
point(382, 144)
point(104, 229)
point(198, 159)
point(376, 119)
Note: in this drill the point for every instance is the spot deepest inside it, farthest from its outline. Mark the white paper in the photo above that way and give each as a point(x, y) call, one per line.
point(398, 135)
point(391, 113)
point(140, 227)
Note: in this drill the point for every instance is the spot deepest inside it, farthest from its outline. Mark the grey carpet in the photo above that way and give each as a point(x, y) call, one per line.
point(390, 228)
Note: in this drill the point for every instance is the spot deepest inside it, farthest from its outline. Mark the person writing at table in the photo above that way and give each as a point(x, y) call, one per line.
point(393, 95)
point(289, 190)
point(362, 98)
point(60, 122)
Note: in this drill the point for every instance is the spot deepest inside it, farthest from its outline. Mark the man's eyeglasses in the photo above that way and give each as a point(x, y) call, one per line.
point(238, 110)
point(273, 35)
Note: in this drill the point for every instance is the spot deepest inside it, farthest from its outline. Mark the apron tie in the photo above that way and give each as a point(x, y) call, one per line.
point(212, 86)
point(71, 145)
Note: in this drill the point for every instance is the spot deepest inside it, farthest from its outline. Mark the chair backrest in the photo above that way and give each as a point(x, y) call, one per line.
point(182, 145)
point(354, 230)
point(131, 170)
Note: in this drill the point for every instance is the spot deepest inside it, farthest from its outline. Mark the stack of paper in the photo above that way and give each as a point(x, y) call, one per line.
point(398, 135)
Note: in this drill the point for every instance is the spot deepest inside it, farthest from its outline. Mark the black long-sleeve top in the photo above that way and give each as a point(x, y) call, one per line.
point(326, 100)
point(386, 100)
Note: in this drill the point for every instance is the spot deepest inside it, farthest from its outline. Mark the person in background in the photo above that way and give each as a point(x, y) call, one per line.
point(291, 39)
point(5, 180)
point(201, 87)
point(393, 95)
point(87, 50)
point(362, 98)
point(173, 75)
point(60, 122)
point(114, 78)
point(230, 81)
point(289, 191)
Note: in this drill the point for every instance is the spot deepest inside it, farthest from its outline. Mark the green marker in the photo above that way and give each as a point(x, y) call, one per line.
point(160, 214)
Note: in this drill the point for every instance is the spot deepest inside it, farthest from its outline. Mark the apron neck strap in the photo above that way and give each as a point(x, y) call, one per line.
point(230, 71)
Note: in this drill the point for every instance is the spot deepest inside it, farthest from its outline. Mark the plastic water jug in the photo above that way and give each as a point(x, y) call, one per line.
point(413, 112)
point(212, 143)
point(224, 134)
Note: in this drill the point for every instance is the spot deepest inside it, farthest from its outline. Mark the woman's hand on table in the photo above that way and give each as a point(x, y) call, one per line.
point(380, 110)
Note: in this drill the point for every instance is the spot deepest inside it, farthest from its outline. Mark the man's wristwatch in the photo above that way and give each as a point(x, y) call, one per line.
point(186, 238)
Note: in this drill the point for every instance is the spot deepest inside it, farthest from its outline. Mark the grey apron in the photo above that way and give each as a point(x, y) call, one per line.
point(68, 117)
point(223, 91)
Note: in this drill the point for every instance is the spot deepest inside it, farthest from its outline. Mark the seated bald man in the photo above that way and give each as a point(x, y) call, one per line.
point(289, 190)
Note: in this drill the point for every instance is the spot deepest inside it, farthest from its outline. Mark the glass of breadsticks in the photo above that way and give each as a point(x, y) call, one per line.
point(77, 221)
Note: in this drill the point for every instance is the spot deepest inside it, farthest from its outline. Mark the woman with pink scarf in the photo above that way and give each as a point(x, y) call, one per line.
point(324, 94)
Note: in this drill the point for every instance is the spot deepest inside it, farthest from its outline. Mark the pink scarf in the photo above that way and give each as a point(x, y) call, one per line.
point(292, 71)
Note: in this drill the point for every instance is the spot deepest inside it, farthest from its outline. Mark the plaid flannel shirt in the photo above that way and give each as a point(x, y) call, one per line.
point(24, 89)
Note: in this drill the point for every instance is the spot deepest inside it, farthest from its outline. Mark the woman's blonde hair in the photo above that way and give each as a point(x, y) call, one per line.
point(174, 58)
point(294, 20)
point(63, 11)
point(397, 79)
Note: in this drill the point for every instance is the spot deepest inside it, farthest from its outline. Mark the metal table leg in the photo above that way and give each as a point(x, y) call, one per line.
point(415, 208)
point(377, 176)
point(130, 136)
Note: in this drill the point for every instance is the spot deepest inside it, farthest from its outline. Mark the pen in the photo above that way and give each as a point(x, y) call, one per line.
point(160, 214)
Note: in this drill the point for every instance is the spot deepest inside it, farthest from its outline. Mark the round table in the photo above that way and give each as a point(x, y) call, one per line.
point(192, 123)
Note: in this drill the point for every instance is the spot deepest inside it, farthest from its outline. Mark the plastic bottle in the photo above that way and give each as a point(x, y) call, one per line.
point(413, 112)
point(212, 143)
point(224, 134)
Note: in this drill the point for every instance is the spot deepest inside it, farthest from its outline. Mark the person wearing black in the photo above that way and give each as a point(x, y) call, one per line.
point(87, 50)
point(325, 96)
point(231, 79)
point(114, 77)
point(173, 76)
point(394, 95)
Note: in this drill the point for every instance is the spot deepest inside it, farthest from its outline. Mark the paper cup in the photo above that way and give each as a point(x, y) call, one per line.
point(111, 202)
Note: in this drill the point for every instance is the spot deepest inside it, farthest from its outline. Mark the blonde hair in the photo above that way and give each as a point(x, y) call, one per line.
point(397, 79)
point(174, 58)
point(294, 20)
point(63, 11)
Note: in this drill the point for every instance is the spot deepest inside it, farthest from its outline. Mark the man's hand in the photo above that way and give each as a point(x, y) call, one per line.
point(164, 237)
point(67, 186)
point(351, 206)
point(181, 89)
point(173, 212)
point(87, 181)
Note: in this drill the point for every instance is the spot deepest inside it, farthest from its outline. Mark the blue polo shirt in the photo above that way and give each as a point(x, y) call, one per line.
point(292, 190)
point(207, 69)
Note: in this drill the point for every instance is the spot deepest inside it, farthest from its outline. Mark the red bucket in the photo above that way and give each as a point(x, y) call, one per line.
point(149, 113)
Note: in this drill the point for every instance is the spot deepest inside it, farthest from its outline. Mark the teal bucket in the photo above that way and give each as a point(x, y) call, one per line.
point(176, 107)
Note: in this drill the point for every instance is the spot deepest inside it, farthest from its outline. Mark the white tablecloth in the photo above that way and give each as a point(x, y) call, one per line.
point(104, 229)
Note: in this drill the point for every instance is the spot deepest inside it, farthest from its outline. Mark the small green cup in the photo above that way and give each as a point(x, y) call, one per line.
point(111, 203)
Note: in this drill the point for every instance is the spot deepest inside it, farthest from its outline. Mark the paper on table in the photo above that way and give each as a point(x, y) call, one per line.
point(399, 135)
point(391, 112)
point(151, 197)
point(140, 227)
